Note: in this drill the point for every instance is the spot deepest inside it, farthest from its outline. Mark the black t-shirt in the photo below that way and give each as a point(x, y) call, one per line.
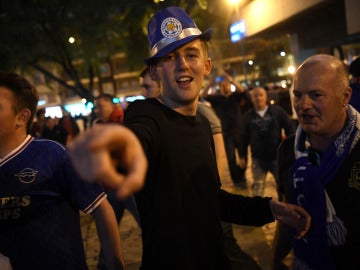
point(181, 203)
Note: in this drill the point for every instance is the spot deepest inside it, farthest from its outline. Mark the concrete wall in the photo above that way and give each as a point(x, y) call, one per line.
point(262, 14)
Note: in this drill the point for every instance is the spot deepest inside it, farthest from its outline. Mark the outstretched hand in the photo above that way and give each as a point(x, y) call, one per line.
point(292, 215)
point(98, 152)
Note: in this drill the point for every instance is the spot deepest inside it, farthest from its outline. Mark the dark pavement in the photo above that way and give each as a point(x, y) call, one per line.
point(255, 241)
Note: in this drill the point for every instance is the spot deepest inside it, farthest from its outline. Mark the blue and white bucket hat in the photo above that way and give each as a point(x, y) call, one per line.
point(169, 29)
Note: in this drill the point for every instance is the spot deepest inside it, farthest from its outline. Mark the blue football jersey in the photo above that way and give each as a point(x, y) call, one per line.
point(40, 198)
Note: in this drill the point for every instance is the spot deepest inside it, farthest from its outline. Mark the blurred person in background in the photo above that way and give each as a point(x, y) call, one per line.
point(106, 110)
point(262, 130)
point(53, 131)
point(37, 125)
point(150, 87)
point(227, 106)
point(69, 124)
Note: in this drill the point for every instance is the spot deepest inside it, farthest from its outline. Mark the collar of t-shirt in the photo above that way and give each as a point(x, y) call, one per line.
point(262, 112)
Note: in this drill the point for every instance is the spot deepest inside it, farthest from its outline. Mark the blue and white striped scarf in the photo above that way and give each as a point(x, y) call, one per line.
point(308, 190)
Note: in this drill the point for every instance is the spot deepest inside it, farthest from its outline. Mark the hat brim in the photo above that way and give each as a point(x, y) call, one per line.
point(206, 35)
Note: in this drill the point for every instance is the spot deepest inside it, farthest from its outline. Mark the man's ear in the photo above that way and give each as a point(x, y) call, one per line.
point(154, 73)
point(208, 66)
point(24, 116)
point(347, 95)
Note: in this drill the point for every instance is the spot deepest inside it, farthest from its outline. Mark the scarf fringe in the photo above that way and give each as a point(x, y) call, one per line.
point(300, 265)
point(336, 232)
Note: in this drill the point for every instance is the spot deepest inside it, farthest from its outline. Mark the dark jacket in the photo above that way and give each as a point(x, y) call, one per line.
point(344, 192)
point(264, 134)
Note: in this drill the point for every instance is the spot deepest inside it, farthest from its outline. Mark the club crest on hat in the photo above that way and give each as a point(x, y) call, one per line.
point(171, 27)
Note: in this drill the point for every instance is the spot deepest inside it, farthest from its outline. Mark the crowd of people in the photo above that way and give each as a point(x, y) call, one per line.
point(164, 158)
point(62, 130)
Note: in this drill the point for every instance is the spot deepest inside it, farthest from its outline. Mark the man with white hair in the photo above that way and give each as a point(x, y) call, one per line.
point(318, 166)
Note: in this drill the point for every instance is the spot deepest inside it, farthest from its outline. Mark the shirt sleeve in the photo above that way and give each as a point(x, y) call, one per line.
point(209, 113)
point(83, 195)
point(242, 210)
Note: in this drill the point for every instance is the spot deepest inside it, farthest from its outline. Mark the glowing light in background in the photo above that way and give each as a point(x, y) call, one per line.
point(291, 69)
